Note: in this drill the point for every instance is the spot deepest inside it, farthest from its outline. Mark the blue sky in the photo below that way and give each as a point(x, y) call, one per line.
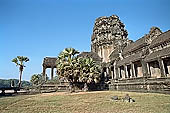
point(40, 28)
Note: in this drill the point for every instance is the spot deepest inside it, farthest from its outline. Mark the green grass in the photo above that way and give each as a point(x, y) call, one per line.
point(91, 102)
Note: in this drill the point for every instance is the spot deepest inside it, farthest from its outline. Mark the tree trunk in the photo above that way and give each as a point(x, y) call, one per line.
point(21, 70)
point(19, 84)
point(85, 89)
point(71, 87)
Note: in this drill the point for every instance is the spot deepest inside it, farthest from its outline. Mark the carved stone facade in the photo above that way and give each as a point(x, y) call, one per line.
point(107, 34)
point(140, 65)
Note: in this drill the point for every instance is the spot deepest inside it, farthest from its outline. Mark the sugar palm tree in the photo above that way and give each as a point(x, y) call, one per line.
point(65, 64)
point(77, 69)
point(19, 61)
point(70, 53)
point(66, 59)
point(90, 72)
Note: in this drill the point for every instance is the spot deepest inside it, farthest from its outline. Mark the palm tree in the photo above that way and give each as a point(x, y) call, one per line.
point(65, 64)
point(76, 69)
point(19, 61)
point(70, 53)
point(90, 72)
point(66, 59)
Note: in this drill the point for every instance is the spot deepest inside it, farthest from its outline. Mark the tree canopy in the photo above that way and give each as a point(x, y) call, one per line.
point(77, 69)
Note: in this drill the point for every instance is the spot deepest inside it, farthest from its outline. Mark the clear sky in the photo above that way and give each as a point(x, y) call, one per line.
point(40, 28)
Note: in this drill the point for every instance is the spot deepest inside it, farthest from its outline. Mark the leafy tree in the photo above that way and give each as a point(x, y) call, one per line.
point(7, 83)
point(36, 79)
point(19, 61)
point(76, 69)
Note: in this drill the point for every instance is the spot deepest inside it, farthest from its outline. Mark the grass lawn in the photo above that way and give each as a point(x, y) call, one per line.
point(90, 102)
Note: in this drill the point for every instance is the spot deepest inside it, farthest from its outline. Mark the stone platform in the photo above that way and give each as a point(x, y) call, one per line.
point(157, 85)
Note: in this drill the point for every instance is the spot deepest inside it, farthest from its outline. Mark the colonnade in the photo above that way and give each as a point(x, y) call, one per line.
point(141, 68)
point(45, 75)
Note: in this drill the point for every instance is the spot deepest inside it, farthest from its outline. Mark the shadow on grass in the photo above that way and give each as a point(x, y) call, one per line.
point(7, 95)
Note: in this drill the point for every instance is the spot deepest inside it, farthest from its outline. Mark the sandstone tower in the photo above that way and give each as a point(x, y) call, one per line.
point(108, 34)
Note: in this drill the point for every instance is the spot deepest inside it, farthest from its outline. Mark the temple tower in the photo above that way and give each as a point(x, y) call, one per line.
point(108, 34)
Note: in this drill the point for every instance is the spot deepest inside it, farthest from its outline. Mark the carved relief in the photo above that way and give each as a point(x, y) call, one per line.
point(108, 34)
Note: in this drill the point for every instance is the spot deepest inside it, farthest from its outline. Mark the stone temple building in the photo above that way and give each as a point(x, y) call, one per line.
point(143, 65)
point(49, 62)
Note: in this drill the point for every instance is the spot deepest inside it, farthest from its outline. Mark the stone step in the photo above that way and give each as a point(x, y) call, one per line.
point(48, 86)
point(62, 90)
point(48, 91)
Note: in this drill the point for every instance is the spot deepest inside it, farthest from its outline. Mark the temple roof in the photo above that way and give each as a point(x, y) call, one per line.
point(161, 53)
point(136, 45)
point(129, 59)
point(49, 62)
point(164, 37)
point(92, 55)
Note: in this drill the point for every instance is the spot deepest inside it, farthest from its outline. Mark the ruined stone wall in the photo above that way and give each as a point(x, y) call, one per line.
point(108, 34)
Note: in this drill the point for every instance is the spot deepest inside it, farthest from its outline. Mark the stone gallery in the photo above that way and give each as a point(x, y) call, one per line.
point(143, 65)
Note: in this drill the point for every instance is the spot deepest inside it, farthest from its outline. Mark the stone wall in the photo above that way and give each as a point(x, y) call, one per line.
point(159, 85)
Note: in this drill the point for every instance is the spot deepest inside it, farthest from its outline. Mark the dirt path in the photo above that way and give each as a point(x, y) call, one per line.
point(67, 93)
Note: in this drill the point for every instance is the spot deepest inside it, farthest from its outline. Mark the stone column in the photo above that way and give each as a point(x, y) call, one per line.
point(119, 73)
point(133, 69)
point(123, 72)
point(107, 71)
point(148, 68)
point(44, 73)
point(144, 68)
point(112, 72)
point(126, 72)
point(115, 70)
point(162, 68)
point(52, 73)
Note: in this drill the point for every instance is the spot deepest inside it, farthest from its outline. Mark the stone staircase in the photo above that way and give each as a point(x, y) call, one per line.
point(47, 87)
point(166, 88)
point(62, 88)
